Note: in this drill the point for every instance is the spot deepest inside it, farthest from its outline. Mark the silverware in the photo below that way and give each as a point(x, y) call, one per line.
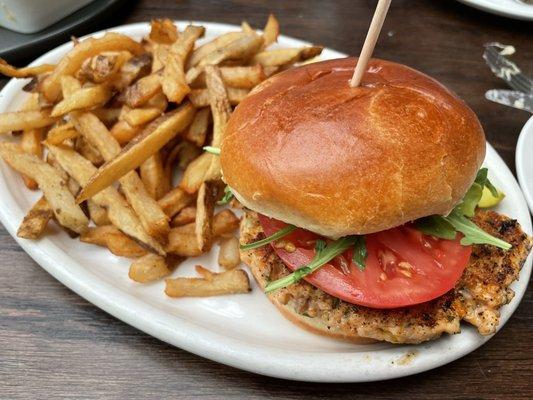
point(507, 70)
point(511, 98)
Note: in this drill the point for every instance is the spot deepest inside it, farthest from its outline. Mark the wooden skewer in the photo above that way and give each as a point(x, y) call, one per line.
point(370, 41)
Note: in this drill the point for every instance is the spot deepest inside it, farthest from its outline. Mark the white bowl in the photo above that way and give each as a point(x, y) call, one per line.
point(29, 16)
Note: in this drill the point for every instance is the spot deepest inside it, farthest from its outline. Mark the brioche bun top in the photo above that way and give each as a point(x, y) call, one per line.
point(306, 148)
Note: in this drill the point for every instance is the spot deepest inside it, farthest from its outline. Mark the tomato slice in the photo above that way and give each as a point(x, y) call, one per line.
point(403, 267)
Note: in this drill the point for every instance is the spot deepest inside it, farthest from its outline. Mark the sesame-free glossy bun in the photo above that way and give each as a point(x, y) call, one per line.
point(306, 148)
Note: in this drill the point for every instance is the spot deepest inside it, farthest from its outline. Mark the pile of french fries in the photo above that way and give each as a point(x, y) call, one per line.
point(105, 132)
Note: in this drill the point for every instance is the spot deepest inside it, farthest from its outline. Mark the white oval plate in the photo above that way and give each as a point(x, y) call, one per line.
point(507, 8)
point(244, 331)
point(524, 162)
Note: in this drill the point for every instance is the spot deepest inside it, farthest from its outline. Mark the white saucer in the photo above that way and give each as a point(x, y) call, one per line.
point(524, 162)
point(507, 8)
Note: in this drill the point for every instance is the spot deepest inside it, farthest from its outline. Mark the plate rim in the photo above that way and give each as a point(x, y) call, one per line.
point(500, 9)
point(262, 359)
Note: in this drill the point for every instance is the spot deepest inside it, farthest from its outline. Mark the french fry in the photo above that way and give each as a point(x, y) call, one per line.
point(238, 77)
point(152, 267)
point(111, 92)
point(173, 78)
point(31, 103)
point(140, 116)
point(108, 116)
point(182, 240)
point(205, 210)
point(211, 284)
point(51, 86)
point(184, 217)
point(31, 144)
point(98, 214)
point(221, 111)
point(187, 229)
point(195, 172)
point(31, 139)
point(160, 53)
point(133, 69)
point(85, 98)
point(186, 153)
point(102, 67)
point(163, 31)
point(34, 223)
point(124, 132)
point(280, 57)
point(156, 181)
point(27, 72)
point(220, 107)
point(241, 49)
point(119, 212)
point(269, 71)
point(54, 187)
point(69, 85)
point(246, 28)
point(229, 255)
point(142, 147)
point(59, 133)
point(88, 151)
point(117, 242)
point(174, 201)
point(271, 31)
point(215, 45)
point(183, 244)
point(159, 101)
point(200, 97)
point(225, 222)
point(197, 131)
point(152, 217)
point(143, 90)
point(25, 120)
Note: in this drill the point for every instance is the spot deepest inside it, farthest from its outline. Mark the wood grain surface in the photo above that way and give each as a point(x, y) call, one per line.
point(54, 344)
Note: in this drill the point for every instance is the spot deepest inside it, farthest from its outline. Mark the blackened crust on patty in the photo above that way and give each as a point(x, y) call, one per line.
point(477, 297)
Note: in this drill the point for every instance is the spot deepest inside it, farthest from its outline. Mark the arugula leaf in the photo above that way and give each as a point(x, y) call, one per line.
point(492, 188)
point(331, 251)
point(469, 203)
point(483, 179)
point(212, 150)
point(437, 226)
point(473, 233)
point(457, 221)
point(228, 195)
point(481, 176)
point(320, 245)
point(360, 253)
point(272, 238)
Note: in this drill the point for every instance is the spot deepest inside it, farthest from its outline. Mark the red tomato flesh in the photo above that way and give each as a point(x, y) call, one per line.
point(403, 267)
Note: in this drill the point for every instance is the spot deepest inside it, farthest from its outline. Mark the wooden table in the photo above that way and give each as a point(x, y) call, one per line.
point(53, 344)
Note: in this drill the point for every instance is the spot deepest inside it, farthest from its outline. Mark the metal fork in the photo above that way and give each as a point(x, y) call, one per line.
point(505, 69)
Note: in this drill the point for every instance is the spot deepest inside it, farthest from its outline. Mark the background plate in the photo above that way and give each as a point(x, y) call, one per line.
point(244, 331)
point(507, 8)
